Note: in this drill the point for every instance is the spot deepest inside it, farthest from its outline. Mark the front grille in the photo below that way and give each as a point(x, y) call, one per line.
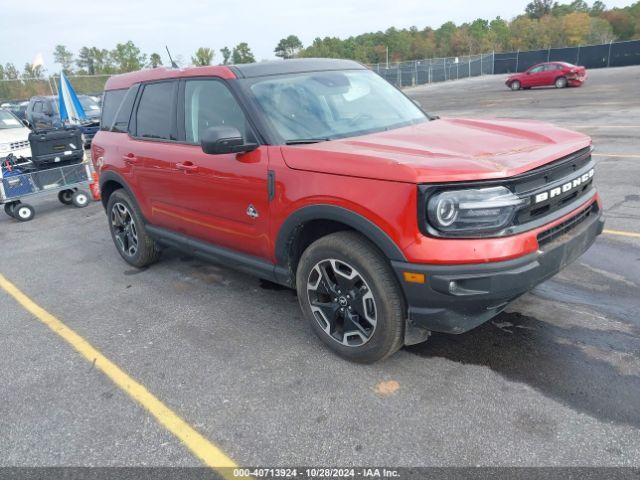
point(19, 145)
point(543, 180)
point(553, 233)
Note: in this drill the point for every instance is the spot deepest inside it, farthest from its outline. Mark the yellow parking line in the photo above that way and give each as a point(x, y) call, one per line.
point(205, 450)
point(617, 155)
point(622, 233)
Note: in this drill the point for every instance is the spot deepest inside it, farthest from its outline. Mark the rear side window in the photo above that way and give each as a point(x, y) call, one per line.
point(155, 114)
point(110, 105)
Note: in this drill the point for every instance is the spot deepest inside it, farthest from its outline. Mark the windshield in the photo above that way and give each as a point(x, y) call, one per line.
point(327, 105)
point(89, 105)
point(8, 120)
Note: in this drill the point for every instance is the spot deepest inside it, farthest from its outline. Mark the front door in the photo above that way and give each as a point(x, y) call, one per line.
point(221, 199)
point(534, 77)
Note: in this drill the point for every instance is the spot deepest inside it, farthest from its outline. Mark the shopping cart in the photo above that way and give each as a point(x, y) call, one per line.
point(20, 180)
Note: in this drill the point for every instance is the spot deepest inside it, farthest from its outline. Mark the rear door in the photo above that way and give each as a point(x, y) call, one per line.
point(548, 75)
point(148, 152)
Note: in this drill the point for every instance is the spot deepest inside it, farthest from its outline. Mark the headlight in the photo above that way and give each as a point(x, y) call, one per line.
point(473, 211)
point(5, 147)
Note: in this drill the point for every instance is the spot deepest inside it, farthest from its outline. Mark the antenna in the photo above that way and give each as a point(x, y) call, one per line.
point(173, 64)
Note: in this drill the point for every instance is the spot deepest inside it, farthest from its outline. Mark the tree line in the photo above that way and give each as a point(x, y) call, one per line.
point(543, 24)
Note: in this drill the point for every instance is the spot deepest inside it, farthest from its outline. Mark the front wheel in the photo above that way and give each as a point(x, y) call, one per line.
point(350, 295)
point(515, 85)
point(23, 212)
point(129, 235)
point(561, 82)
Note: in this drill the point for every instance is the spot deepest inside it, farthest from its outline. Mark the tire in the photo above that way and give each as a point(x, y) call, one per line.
point(23, 212)
point(515, 85)
point(358, 292)
point(65, 197)
point(80, 199)
point(561, 82)
point(145, 250)
point(8, 208)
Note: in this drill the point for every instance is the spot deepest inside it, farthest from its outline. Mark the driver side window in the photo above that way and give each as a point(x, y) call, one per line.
point(209, 103)
point(537, 69)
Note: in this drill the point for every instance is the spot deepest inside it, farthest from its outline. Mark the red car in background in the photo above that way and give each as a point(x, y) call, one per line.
point(558, 74)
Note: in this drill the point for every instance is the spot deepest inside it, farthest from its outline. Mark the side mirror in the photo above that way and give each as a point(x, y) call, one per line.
point(218, 140)
point(26, 123)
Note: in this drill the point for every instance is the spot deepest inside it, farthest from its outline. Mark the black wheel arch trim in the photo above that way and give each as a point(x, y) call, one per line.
point(338, 214)
point(110, 176)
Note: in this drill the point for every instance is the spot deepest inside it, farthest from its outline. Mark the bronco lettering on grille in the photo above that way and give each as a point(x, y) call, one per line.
point(564, 188)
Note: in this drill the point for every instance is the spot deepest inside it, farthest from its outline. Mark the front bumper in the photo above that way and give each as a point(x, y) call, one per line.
point(457, 298)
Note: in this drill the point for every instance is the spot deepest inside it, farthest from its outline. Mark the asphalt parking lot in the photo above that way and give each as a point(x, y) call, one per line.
point(555, 380)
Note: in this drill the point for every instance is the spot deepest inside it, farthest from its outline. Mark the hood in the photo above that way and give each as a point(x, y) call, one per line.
point(443, 150)
point(17, 134)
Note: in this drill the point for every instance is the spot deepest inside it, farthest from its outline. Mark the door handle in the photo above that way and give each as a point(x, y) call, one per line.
point(130, 158)
point(187, 167)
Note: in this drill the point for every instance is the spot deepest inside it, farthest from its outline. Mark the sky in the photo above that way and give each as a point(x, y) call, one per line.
point(31, 28)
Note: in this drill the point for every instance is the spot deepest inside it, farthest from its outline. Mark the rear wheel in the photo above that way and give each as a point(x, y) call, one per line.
point(561, 82)
point(350, 296)
point(65, 196)
point(129, 235)
point(515, 85)
point(23, 212)
point(9, 207)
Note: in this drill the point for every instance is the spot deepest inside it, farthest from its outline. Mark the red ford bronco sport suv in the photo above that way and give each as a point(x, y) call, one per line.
point(319, 175)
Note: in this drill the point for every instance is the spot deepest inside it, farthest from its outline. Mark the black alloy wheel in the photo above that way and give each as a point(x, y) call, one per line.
point(342, 302)
point(124, 229)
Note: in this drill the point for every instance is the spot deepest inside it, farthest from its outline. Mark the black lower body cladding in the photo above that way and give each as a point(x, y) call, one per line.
point(457, 298)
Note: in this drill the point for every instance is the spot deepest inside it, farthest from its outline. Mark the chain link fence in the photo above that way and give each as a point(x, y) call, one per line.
point(420, 72)
point(614, 54)
point(402, 74)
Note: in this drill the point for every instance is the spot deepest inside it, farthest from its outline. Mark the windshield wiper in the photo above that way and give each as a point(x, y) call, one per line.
point(303, 141)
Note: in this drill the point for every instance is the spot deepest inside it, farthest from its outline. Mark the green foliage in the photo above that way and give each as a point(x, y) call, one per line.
point(127, 57)
point(32, 71)
point(155, 60)
point(64, 57)
point(288, 47)
point(242, 54)
point(539, 8)
point(11, 72)
point(203, 57)
point(95, 61)
point(226, 55)
point(544, 24)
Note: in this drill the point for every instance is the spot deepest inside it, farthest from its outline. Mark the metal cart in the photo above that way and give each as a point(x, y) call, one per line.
point(23, 181)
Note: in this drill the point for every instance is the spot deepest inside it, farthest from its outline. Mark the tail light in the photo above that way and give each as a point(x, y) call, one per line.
point(96, 156)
